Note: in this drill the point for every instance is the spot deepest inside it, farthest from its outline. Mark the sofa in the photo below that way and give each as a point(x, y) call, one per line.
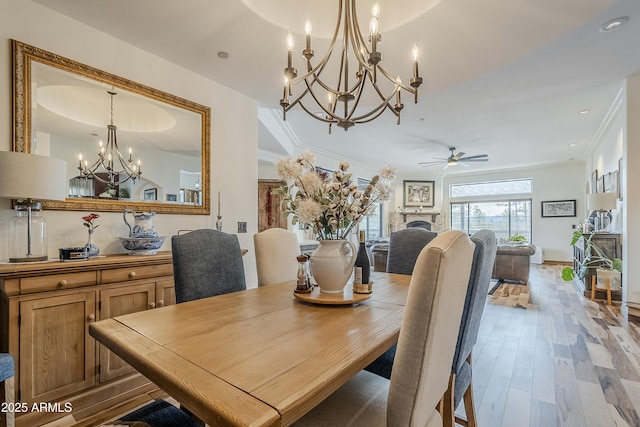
point(512, 263)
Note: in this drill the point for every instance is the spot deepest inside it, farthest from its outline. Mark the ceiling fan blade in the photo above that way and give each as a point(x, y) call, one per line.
point(435, 162)
point(482, 159)
point(457, 156)
point(480, 156)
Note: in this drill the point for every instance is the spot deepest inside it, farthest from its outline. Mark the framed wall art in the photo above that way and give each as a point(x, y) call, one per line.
point(594, 181)
point(151, 194)
point(418, 193)
point(558, 208)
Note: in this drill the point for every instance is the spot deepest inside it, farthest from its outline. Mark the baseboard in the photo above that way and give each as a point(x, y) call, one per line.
point(552, 262)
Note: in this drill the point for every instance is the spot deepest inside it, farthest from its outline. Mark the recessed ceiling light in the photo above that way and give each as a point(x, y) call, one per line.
point(572, 145)
point(586, 111)
point(613, 24)
point(319, 113)
point(223, 55)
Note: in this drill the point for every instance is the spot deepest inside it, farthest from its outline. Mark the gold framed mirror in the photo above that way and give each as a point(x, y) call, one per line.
point(63, 109)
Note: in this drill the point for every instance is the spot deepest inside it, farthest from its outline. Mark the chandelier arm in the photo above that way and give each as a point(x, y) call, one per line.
point(379, 113)
point(395, 81)
point(327, 55)
point(322, 119)
point(358, 42)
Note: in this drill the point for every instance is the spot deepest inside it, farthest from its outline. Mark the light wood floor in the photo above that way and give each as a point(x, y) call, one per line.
point(550, 359)
point(561, 361)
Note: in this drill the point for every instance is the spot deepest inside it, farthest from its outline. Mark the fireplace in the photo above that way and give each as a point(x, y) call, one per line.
point(420, 224)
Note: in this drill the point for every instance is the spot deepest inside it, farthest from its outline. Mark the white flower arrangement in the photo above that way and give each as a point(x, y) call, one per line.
point(332, 207)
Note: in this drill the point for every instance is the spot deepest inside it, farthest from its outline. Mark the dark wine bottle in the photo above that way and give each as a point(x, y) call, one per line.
point(362, 265)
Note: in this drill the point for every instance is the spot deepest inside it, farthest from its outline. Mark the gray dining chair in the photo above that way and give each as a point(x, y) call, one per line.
point(404, 247)
point(276, 250)
point(460, 381)
point(206, 263)
point(7, 372)
point(425, 348)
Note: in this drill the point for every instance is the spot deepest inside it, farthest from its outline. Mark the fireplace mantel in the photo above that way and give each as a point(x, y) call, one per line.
point(433, 215)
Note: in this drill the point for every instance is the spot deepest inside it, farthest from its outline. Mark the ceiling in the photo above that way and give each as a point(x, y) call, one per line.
point(503, 77)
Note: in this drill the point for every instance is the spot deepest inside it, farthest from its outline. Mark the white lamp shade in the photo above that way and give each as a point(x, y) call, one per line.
point(602, 201)
point(30, 176)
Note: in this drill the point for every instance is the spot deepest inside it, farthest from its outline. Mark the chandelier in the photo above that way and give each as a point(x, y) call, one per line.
point(343, 97)
point(110, 158)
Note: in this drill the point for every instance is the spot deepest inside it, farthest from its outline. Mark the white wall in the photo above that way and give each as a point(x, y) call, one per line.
point(559, 182)
point(234, 128)
point(631, 197)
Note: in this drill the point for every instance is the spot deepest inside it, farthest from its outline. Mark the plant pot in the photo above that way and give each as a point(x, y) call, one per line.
point(332, 264)
point(614, 277)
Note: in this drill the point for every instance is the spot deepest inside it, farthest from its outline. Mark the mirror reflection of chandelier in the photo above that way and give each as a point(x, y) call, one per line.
point(110, 159)
point(336, 109)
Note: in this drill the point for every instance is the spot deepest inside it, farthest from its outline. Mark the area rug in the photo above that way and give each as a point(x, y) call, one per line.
point(159, 413)
point(509, 294)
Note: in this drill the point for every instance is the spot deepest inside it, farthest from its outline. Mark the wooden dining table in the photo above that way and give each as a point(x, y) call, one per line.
point(259, 357)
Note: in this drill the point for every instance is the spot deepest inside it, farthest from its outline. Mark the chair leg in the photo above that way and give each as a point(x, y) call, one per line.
point(9, 394)
point(593, 287)
point(469, 406)
point(448, 416)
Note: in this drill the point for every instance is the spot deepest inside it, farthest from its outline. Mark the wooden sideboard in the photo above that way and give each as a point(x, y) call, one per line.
point(611, 246)
point(46, 309)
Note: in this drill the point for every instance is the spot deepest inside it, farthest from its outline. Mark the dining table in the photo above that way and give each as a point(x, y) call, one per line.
point(262, 356)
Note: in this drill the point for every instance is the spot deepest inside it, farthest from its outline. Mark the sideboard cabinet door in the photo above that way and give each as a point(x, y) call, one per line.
point(118, 301)
point(57, 353)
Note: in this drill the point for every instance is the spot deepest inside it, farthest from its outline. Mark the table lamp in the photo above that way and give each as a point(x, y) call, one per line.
point(601, 202)
point(28, 178)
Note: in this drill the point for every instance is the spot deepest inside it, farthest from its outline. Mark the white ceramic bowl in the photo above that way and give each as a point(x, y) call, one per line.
point(142, 245)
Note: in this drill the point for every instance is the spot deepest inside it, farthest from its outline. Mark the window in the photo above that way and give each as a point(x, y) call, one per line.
point(504, 217)
point(516, 186)
point(496, 205)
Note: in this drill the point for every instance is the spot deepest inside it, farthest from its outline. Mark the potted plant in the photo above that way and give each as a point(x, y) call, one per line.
point(606, 268)
point(517, 238)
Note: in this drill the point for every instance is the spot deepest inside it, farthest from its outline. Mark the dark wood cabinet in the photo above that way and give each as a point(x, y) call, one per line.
point(610, 245)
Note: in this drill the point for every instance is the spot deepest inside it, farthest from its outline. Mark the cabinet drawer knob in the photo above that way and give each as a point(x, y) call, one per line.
point(152, 305)
point(92, 317)
point(132, 274)
point(161, 303)
point(62, 282)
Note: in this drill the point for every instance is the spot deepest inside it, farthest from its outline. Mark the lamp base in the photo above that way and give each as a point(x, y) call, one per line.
point(27, 258)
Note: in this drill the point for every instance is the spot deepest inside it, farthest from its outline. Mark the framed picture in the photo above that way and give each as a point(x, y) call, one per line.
point(594, 181)
point(151, 194)
point(558, 208)
point(611, 182)
point(172, 197)
point(600, 186)
point(418, 193)
point(620, 179)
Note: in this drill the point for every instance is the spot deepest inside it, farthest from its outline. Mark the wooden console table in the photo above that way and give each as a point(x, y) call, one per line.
point(46, 309)
point(610, 245)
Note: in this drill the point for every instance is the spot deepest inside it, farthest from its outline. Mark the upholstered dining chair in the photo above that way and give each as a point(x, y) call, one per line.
point(276, 252)
point(404, 247)
point(425, 348)
point(206, 263)
point(460, 381)
point(7, 371)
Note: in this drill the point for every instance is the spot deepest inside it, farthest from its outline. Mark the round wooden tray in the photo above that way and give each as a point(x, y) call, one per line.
point(346, 297)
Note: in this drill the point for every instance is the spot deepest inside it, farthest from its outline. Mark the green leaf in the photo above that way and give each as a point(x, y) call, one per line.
point(568, 274)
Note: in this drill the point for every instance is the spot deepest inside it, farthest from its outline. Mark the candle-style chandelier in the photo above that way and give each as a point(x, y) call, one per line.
point(343, 92)
point(109, 157)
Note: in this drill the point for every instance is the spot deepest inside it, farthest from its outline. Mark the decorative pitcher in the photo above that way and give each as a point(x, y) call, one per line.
point(142, 226)
point(332, 264)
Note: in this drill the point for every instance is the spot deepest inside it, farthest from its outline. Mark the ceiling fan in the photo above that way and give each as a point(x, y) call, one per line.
point(455, 159)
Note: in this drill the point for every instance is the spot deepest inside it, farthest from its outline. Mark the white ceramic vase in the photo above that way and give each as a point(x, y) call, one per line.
point(332, 264)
